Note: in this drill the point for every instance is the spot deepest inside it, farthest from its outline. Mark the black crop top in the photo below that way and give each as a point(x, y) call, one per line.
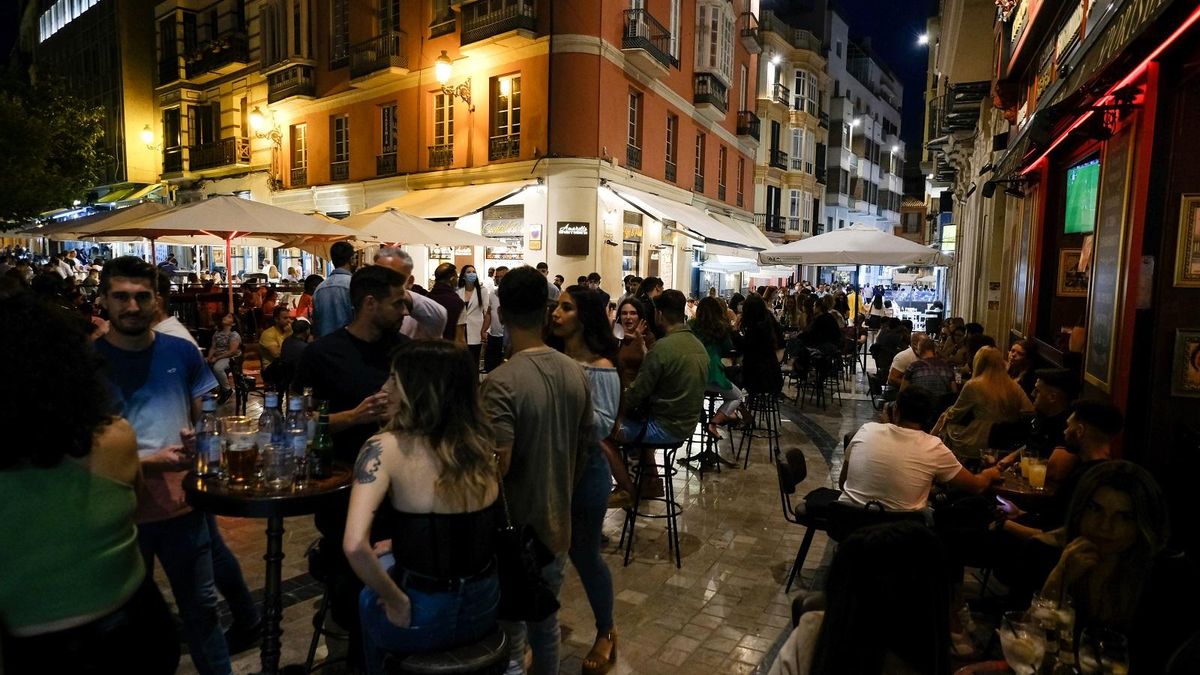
point(445, 545)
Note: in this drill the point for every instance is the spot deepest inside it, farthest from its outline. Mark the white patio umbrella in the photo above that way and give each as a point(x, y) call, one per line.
point(67, 230)
point(855, 245)
point(404, 228)
point(225, 218)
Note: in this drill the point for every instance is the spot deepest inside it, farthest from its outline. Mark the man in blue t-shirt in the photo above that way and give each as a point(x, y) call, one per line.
point(157, 381)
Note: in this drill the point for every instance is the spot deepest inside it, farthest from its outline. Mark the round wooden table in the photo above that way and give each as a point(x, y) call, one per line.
point(1018, 491)
point(212, 495)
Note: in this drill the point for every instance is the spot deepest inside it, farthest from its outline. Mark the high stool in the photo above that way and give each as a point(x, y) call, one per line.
point(318, 567)
point(489, 656)
point(710, 446)
point(645, 455)
point(764, 408)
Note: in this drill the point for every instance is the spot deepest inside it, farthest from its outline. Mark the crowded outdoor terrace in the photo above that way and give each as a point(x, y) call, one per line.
point(792, 479)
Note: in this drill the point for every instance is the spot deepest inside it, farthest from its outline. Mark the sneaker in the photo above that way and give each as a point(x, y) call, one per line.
point(240, 638)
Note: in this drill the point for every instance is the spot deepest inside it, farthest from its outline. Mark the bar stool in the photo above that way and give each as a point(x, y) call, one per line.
point(764, 409)
point(710, 446)
point(318, 568)
point(489, 656)
point(645, 460)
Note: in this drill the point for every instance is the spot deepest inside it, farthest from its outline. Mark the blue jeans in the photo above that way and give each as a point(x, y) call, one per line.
point(631, 430)
point(227, 573)
point(439, 620)
point(542, 636)
point(184, 547)
point(589, 504)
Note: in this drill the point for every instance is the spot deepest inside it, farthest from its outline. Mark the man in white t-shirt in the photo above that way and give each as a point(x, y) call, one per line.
point(897, 462)
point(905, 359)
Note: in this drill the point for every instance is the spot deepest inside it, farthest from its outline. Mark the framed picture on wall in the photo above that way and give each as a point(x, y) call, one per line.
point(1185, 366)
point(1071, 282)
point(1187, 256)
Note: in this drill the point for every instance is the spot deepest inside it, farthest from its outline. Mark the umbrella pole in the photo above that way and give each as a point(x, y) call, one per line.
point(229, 273)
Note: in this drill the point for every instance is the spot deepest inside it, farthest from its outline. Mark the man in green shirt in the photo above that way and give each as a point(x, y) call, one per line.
point(668, 393)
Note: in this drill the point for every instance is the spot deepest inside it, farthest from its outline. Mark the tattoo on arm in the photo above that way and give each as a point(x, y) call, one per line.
point(368, 462)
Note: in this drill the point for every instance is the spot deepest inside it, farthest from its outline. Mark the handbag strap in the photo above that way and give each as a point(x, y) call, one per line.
point(503, 499)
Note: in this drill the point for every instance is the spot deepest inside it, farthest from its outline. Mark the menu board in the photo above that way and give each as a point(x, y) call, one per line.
point(1109, 268)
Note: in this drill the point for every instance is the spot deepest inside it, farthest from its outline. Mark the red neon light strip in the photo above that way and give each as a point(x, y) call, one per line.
point(1133, 75)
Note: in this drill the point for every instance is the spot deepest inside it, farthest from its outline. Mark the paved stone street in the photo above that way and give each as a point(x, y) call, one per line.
point(725, 611)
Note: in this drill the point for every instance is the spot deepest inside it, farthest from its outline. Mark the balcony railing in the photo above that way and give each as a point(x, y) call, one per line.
point(379, 53)
point(230, 48)
point(748, 124)
point(644, 32)
point(633, 156)
point(295, 80)
point(698, 183)
point(770, 222)
point(781, 94)
point(670, 172)
point(749, 26)
point(793, 223)
point(823, 120)
point(220, 153)
point(504, 147)
point(173, 160)
point(779, 159)
point(385, 164)
point(797, 164)
point(299, 176)
point(441, 155)
point(741, 198)
point(339, 170)
point(708, 90)
point(488, 18)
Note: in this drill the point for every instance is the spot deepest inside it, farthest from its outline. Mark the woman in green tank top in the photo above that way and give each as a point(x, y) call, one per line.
point(74, 594)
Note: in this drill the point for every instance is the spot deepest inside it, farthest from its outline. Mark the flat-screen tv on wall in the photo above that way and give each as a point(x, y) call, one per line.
point(1083, 179)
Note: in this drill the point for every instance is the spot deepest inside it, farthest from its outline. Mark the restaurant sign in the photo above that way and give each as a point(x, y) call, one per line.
point(1069, 31)
point(1131, 19)
point(573, 237)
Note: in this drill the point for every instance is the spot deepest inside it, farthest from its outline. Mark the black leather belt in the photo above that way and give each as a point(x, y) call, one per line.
point(422, 582)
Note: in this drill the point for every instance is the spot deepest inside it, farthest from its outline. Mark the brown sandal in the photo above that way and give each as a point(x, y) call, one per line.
point(595, 663)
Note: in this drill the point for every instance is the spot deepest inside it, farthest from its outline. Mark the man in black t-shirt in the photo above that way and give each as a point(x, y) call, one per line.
point(1054, 391)
point(348, 368)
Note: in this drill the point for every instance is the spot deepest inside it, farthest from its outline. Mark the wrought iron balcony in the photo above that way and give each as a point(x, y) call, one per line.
point(645, 36)
point(295, 80)
point(779, 159)
point(710, 95)
point(385, 164)
point(168, 71)
point(299, 176)
point(823, 120)
point(441, 156)
point(748, 124)
point(339, 170)
point(488, 18)
point(741, 198)
point(749, 32)
point(218, 56)
point(633, 156)
point(504, 147)
point(224, 152)
point(670, 172)
point(173, 160)
point(380, 53)
point(797, 163)
point(698, 183)
point(720, 192)
point(769, 222)
point(781, 94)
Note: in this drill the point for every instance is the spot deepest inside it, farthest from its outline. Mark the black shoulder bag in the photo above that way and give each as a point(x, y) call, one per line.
point(520, 556)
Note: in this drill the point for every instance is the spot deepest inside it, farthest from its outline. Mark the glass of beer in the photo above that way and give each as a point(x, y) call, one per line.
point(1037, 474)
point(241, 454)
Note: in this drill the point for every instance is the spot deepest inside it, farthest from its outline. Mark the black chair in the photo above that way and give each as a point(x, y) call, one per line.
point(844, 518)
point(489, 656)
point(809, 511)
point(318, 568)
point(644, 459)
point(243, 385)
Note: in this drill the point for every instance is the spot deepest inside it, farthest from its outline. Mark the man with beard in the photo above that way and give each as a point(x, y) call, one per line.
point(348, 368)
point(157, 381)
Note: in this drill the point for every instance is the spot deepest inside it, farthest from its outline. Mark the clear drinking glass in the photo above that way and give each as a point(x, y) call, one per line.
point(240, 460)
point(1023, 642)
point(1037, 474)
point(279, 467)
point(1103, 651)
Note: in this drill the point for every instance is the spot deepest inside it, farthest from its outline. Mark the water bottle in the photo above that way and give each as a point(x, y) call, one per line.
point(208, 439)
point(311, 410)
point(323, 446)
point(296, 430)
point(270, 423)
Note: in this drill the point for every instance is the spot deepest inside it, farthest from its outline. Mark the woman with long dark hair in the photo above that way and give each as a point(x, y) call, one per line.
point(434, 463)
point(888, 609)
point(713, 329)
point(304, 304)
point(636, 340)
point(761, 337)
point(579, 328)
point(74, 593)
point(475, 306)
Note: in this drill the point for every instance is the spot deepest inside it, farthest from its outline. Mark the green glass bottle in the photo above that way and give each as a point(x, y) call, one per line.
point(322, 445)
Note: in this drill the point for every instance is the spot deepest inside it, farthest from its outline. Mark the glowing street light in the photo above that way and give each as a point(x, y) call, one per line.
point(443, 68)
point(923, 39)
point(148, 136)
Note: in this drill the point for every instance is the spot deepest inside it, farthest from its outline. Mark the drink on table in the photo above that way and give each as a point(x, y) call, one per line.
point(241, 454)
point(270, 423)
point(208, 439)
point(296, 432)
point(311, 411)
point(1025, 459)
point(279, 466)
point(322, 447)
point(1023, 643)
point(1037, 475)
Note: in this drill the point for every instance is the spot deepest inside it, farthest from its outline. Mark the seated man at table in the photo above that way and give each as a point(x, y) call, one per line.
point(896, 462)
point(1091, 428)
point(1054, 390)
point(270, 342)
point(905, 359)
point(932, 374)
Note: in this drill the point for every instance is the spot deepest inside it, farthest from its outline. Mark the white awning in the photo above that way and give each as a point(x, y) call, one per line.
point(745, 227)
point(450, 203)
point(688, 217)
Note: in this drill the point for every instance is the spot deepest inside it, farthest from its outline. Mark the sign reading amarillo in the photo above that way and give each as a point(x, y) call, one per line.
point(573, 237)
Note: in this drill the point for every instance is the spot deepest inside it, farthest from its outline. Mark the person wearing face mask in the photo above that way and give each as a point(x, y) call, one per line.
point(475, 307)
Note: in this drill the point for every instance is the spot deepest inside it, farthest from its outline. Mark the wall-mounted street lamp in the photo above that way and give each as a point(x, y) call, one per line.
point(443, 68)
point(268, 129)
point(147, 136)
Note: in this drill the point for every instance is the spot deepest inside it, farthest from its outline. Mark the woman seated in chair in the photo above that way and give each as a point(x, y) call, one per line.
point(434, 463)
point(990, 397)
point(226, 345)
point(713, 330)
point(887, 609)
